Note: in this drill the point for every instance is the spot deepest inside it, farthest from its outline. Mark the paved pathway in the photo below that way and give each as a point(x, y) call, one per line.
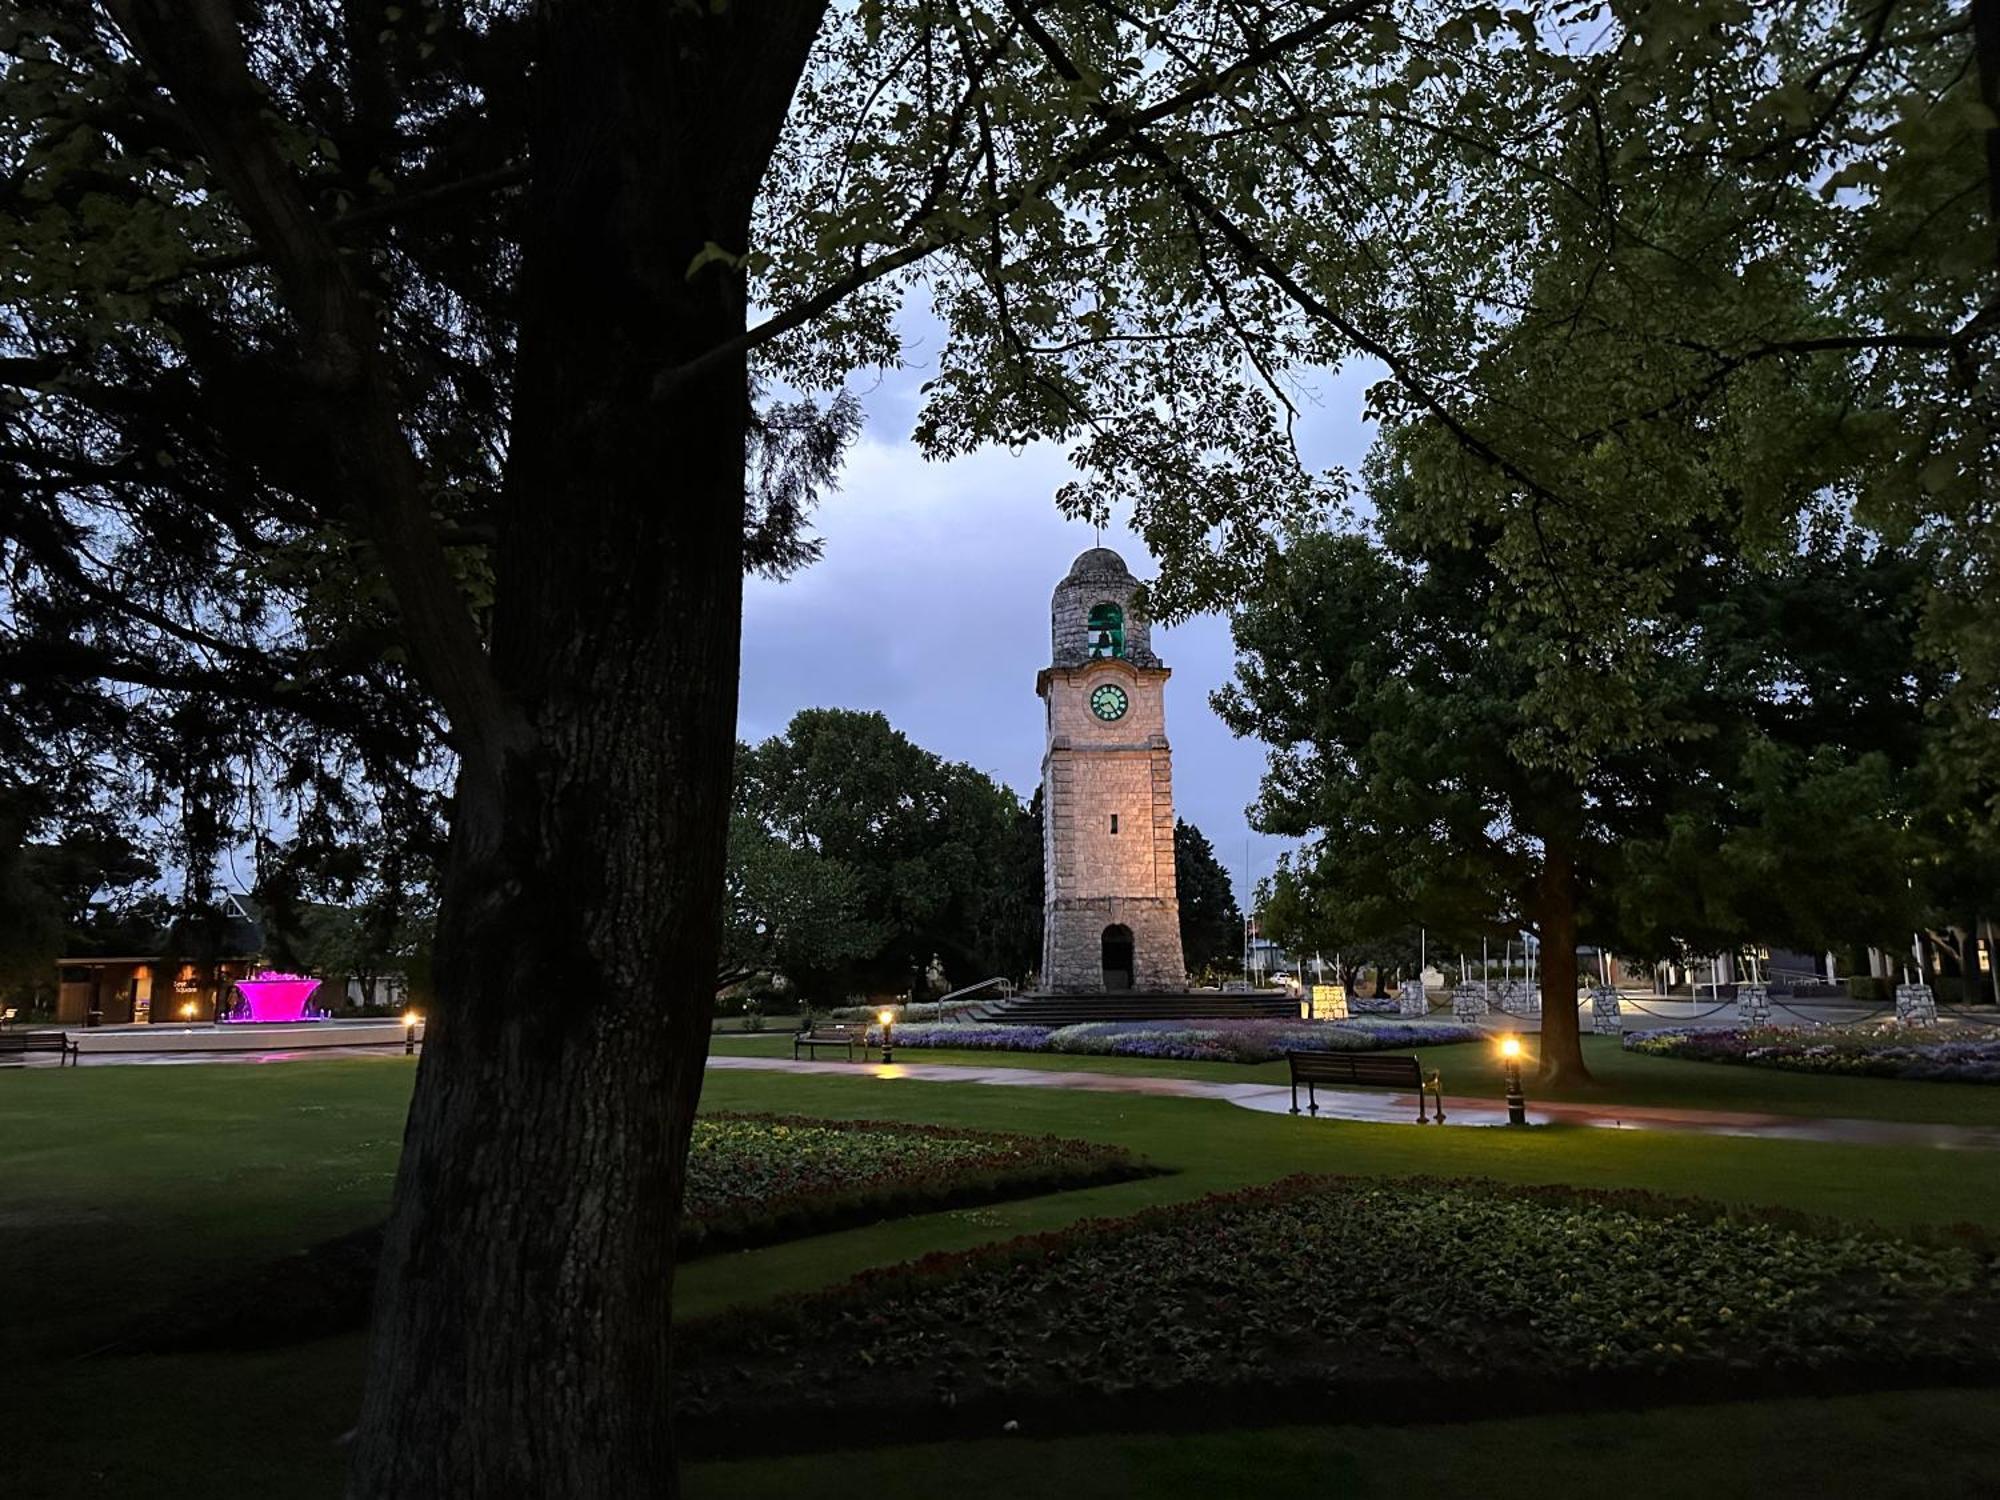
point(1377, 1107)
point(1382, 1107)
point(219, 1055)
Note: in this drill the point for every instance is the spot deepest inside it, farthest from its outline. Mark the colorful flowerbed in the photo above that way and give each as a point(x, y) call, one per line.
point(753, 1179)
point(1959, 1054)
point(1317, 1290)
point(1190, 1041)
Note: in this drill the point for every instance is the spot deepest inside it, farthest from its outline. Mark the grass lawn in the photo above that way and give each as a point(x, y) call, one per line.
point(1916, 1444)
point(1621, 1077)
point(125, 1184)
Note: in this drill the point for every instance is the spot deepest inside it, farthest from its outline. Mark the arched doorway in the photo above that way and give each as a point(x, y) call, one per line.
point(1117, 958)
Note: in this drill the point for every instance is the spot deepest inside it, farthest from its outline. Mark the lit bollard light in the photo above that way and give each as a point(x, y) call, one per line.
point(888, 1020)
point(411, 1021)
point(1517, 1104)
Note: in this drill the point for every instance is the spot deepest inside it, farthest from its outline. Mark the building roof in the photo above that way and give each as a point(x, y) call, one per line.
point(1098, 561)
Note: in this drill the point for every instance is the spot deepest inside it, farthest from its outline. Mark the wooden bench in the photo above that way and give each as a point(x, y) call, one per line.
point(849, 1037)
point(24, 1042)
point(1367, 1069)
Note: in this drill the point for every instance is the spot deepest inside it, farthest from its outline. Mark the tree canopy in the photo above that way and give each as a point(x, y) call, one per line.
point(1211, 923)
point(924, 854)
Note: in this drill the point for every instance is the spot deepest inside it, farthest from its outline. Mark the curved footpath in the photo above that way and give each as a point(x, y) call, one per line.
point(1376, 1107)
point(1383, 1107)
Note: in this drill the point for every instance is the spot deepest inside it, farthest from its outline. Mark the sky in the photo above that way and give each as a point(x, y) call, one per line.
point(931, 604)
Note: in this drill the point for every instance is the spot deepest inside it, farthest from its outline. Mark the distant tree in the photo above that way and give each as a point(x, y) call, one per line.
point(789, 911)
point(1397, 685)
point(92, 891)
point(934, 849)
point(1211, 923)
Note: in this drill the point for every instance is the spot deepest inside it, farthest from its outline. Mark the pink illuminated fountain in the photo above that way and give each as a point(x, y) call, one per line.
point(272, 996)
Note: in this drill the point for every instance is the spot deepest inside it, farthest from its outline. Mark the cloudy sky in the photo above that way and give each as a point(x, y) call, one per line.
point(931, 604)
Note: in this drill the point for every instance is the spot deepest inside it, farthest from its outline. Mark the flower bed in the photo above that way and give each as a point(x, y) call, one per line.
point(1961, 1054)
point(1191, 1041)
point(1417, 1293)
point(753, 1179)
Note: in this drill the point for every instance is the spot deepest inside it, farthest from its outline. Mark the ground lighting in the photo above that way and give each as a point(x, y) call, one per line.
point(1517, 1105)
point(888, 1020)
point(411, 1020)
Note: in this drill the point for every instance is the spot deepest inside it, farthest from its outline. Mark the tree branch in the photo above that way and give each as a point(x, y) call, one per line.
point(1103, 143)
point(197, 51)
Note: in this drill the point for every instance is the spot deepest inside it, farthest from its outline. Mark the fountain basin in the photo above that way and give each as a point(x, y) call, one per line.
point(274, 997)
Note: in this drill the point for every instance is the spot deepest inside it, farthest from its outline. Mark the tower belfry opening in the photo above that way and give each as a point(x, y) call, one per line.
point(1111, 908)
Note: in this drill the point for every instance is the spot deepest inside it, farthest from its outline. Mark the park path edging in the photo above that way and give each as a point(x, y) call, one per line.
point(1386, 1108)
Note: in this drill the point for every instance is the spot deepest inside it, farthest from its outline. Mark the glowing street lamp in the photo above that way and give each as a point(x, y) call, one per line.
point(1517, 1105)
point(411, 1021)
point(888, 1020)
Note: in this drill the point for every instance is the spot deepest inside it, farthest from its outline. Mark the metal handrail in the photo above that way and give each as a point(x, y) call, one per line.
point(1006, 990)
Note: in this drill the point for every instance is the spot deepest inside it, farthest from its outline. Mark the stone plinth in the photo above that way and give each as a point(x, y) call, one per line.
point(1469, 1002)
point(1753, 1005)
point(1916, 1005)
point(1326, 1002)
point(1606, 1018)
point(1518, 998)
point(1410, 999)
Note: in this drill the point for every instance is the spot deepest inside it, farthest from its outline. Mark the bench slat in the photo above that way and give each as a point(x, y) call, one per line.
point(1370, 1069)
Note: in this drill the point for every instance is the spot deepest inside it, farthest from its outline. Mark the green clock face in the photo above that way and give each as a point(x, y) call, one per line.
point(1108, 701)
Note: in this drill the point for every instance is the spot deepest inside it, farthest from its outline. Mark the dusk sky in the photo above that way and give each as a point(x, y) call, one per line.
point(931, 604)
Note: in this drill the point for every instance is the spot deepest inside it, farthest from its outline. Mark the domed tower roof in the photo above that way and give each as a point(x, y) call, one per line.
point(1092, 615)
point(1098, 561)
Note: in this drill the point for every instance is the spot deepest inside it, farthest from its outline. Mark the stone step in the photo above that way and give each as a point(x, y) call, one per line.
point(1070, 1010)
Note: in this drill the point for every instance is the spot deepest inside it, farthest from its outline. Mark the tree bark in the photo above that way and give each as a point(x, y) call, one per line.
point(1562, 1039)
point(522, 1325)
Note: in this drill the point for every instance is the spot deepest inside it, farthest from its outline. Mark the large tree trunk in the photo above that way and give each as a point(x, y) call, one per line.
point(522, 1324)
point(1562, 1039)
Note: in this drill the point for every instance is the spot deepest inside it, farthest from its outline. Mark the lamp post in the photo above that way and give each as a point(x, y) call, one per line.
point(1517, 1104)
point(410, 1022)
point(888, 1019)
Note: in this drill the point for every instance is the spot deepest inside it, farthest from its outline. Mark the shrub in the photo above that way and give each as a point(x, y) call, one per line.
point(1961, 1054)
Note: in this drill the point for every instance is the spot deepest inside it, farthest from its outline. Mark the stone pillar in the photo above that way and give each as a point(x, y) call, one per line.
point(1410, 1001)
point(1915, 1005)
point(1468, 1001)
point(1753, 1005)
point(1606, 1019)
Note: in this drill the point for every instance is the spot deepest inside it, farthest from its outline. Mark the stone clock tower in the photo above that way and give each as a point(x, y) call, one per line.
point(1111, 912)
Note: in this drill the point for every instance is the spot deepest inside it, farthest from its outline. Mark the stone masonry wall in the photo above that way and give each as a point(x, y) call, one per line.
point(1092, 770)
point(1096, 577)
point(1073, 943)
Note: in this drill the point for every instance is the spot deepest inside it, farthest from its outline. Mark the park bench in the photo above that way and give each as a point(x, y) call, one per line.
point(1365, 1069)
point(24, 1042)
point(849, 1037)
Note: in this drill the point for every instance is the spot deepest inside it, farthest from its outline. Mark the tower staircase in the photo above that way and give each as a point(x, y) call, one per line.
point(1126, 1005)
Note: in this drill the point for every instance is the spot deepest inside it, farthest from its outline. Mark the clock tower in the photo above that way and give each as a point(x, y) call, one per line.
point(1110, 911)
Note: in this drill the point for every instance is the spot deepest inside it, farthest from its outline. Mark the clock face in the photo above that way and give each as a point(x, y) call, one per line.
point(1108, 701)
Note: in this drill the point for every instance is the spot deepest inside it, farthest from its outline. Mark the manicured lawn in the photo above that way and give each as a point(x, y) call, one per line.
point(122, 1185)
point(1918, 1445)
point(1621, 1077)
